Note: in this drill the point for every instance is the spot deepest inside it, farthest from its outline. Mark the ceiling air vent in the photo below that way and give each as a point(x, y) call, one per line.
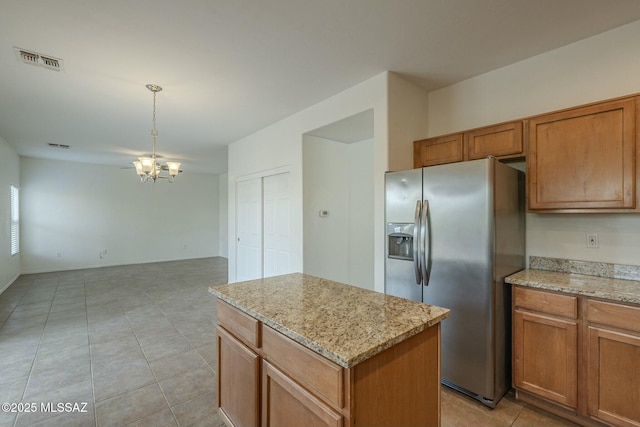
point(52, 63)
point(54, 145)
point(35, 58)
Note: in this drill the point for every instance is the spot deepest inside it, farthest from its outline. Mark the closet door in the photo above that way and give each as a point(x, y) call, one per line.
point(249, 229)
point(263, 238)
point(277, 251)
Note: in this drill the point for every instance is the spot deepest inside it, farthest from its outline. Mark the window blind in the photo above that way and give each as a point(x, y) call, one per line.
point(15, 220)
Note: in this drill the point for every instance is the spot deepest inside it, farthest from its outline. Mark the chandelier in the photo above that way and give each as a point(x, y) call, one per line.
point(148, 168)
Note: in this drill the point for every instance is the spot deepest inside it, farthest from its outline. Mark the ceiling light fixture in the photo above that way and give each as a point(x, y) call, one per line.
point(148, 168)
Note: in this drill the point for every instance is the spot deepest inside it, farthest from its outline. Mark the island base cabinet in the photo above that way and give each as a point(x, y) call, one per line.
point(385, 388)
point(267, 379)
point(287, 404)
point(238, 381)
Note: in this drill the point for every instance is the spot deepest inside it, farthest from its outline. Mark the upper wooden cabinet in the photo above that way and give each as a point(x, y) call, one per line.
point(502, 141)
point(439, 150)
point(584, 159)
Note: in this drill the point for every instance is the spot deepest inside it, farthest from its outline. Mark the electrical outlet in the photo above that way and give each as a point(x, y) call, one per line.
point(592, 240)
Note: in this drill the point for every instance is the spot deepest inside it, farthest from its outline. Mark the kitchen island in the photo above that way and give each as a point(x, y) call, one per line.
point(302, 350)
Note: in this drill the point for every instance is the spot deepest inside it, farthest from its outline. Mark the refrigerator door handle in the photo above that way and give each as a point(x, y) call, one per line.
point(416, 243)
point(426, 243)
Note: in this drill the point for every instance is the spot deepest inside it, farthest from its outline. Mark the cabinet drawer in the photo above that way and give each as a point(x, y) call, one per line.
point(243, 326)
point(321, 376)
point(617, 315)
point(546, 302)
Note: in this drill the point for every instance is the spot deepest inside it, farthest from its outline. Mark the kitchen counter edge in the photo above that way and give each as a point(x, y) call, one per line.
point(620, 290)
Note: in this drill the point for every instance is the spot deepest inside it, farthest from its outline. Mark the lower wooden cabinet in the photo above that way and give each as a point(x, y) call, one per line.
point(238, 381)
point(614, 363)
point(545, 357)
point(578, 357)
point(285, 403)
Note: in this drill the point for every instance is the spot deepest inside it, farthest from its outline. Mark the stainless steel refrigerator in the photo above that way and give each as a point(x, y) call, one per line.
point(453, 233)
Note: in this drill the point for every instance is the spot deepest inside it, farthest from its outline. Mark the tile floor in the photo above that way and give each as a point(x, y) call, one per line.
point(135, 346)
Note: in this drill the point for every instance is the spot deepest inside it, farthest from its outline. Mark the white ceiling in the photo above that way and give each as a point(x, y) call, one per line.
point(232, 67)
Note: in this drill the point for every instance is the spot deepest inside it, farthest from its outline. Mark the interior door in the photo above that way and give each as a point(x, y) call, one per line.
point(249, 229)
point(277, 246)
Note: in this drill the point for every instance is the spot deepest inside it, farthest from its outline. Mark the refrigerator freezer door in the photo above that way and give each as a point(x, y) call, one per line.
point(403, 191)
point(461, 251)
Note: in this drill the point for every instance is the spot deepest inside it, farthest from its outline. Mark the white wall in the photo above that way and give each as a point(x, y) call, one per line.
point(73, 211)
point(280, 145)
point(223, 212)
point(9, 175)
point(339, 178)
point(598, 68)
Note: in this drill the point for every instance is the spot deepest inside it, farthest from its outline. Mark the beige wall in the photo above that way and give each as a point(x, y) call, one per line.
point(601, 67)
point(407, 120)
point(9, 175)
point(72, 212)
point(280, 146)
point(400, 113)
point(338, 178)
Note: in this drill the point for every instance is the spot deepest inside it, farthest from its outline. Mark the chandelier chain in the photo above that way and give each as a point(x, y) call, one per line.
point(154, 131)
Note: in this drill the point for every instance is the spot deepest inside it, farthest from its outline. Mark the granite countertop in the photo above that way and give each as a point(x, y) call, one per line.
point(581, 284)
point(343, 323)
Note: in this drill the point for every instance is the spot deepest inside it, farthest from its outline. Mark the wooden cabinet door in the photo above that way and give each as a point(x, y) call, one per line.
point(545, 358)
point(238, 381)
point(583, 159)
point(437, 151)
point(285, 403)
point(614, 376)
point(613, 366)
point(500, 141)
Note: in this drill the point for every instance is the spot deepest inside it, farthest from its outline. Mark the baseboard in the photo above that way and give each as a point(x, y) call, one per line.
point(557, 409)
point(9, 284)
point(121, 264)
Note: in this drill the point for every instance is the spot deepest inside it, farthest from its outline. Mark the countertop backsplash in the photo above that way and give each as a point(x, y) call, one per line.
point(589, 268)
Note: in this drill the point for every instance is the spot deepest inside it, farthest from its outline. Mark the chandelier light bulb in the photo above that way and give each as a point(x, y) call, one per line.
point(174, 168)
point(138, 166)
point(147, 164)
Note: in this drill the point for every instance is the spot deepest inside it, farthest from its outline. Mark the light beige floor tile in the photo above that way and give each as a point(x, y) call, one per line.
point(159, 419)
point(200, 411)
point(189, 385)
point(131, 406)
point(165, 346)
point(123, 378)
point(177, 364)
